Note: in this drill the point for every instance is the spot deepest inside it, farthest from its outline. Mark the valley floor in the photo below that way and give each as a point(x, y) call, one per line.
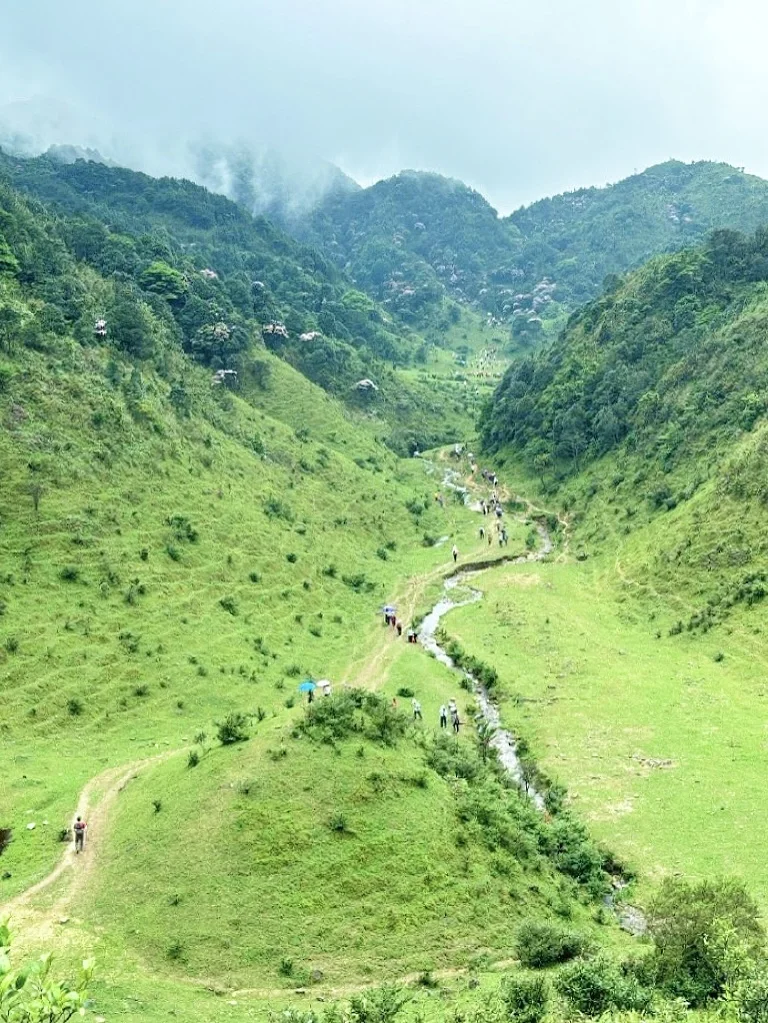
point(660, 741)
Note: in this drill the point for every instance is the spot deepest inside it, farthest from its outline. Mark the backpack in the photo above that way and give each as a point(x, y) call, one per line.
point(79, 826)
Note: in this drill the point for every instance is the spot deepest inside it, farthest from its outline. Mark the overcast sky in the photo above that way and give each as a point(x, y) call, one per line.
point(520, 98)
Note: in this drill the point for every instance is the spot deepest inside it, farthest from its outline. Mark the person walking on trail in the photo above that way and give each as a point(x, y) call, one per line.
point(490, 538)
point(416, 709)
point(455, 721)
point(455, 553)
point(80, 829)
point(443, 716)
point(452, 709)
point(482, 532)
point(399, 628)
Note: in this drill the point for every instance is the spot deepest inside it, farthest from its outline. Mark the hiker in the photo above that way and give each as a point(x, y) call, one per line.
point(455, 553)
point(455, 721)
point(503, 537)
point(443, 716)
point(482, 532)
point(80, 829)
point(399, 629)
point(490, 538)
point(416, 709)
point(310, 695)
point(393, 621)
point(452, 709)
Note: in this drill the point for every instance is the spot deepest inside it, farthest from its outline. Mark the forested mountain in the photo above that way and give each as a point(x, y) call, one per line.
point(223, 283)
point(415, 239)
point(579, 238)
point(653, 401)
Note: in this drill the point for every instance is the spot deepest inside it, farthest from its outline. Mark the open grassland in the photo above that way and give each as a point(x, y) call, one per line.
point(660, 740)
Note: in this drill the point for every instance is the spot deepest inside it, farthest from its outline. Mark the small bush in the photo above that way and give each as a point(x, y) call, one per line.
point(338, 823)
point(405, 692)
point(276, 509)
point(193, 758)
point(157, 804)
point(11, 645)
point(69, 574)
point(142, 689)
point(254, 577)
point(229, 604)
point(232, 729)
point(173, 552)
point(525, 998)
point(292, 558)
point(544, 944)
point(285, 969)
point(330, 571)
point(6, 834)
point(595, 985)
point(175, 951)
point(75, 707)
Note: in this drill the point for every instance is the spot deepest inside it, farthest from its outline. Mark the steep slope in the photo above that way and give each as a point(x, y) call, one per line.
point(228, 284)
point(652, 403)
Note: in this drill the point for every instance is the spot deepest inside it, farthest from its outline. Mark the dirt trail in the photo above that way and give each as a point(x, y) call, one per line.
point(32, 921)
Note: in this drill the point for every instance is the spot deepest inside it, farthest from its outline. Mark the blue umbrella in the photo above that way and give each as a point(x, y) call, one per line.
point(307, 686)
point(390, 609)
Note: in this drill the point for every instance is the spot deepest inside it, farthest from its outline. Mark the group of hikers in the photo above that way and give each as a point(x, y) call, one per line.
point(501, 532)
point(451, 709)
point(391, 619)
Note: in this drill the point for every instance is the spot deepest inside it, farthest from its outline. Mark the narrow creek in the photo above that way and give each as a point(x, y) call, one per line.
point(458, 592)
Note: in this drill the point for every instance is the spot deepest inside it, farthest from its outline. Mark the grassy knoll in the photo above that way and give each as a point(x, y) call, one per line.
point(292, 854)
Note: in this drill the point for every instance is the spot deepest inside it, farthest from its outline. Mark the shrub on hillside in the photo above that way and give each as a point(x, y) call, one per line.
point(695, 930)
point(525, 998)
point(353, 712)
point(69, 574)
point(541, 944)
point(379, 1005)
point(595, 985)
point(277, 509)
point(232, 729)
point(229, 604)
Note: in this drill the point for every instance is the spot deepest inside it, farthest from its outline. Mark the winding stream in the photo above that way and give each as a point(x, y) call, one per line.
point(458, 592)
point(503, 740)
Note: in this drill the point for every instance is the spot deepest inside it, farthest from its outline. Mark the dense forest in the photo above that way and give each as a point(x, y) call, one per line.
point(666, 360)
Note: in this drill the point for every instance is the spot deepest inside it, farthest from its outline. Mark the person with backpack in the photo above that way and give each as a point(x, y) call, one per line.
point(80, 828)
